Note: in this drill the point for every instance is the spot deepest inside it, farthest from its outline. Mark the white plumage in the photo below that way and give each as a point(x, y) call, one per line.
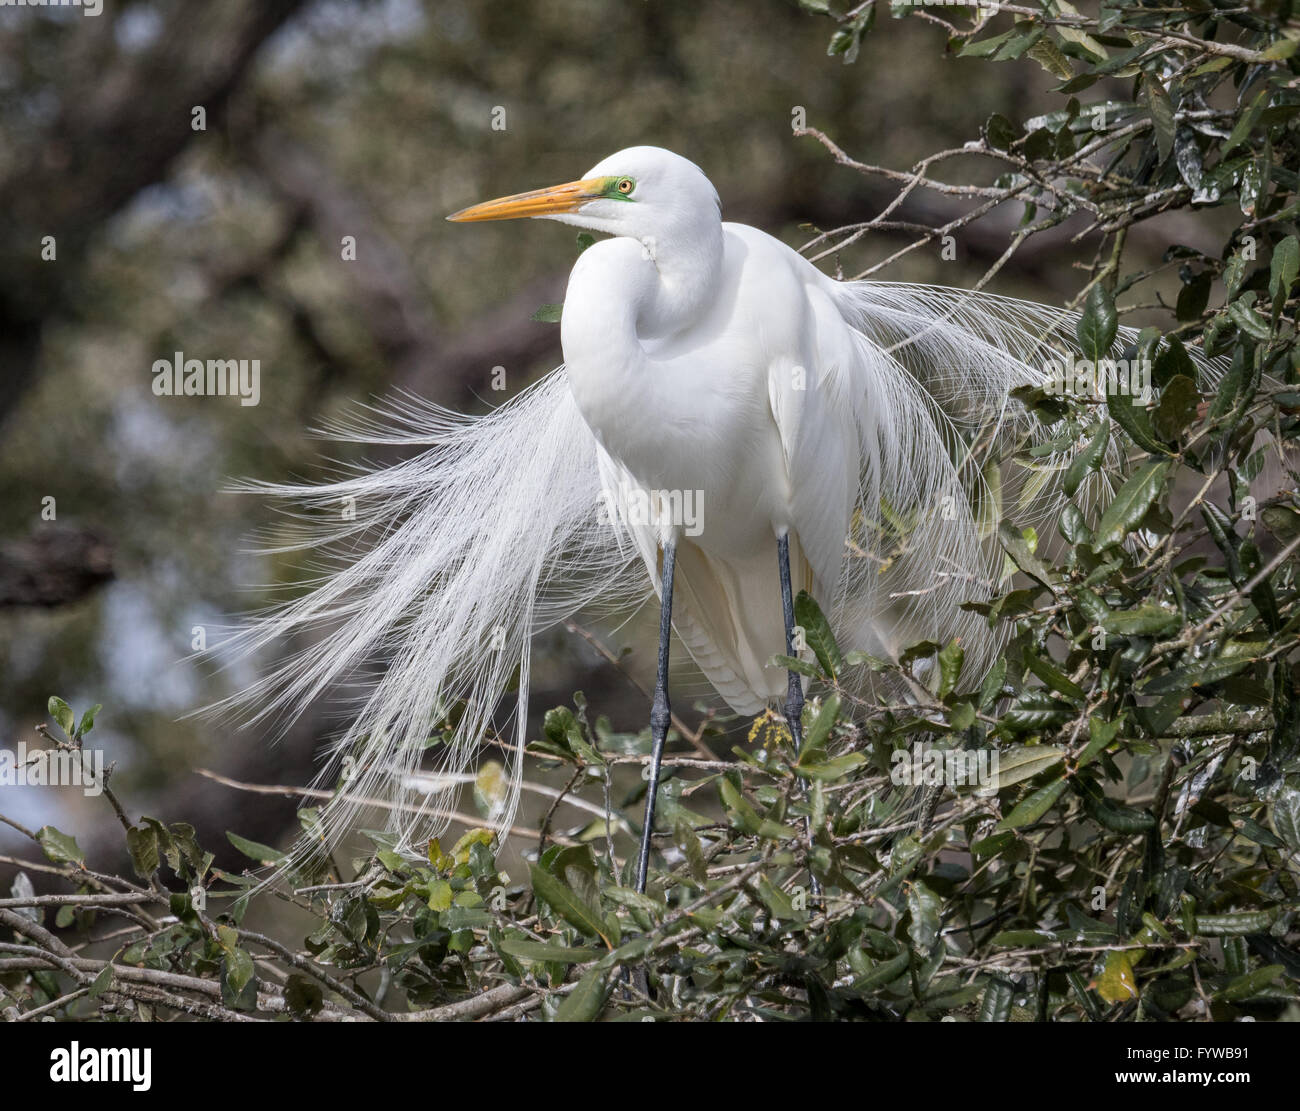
point(702, 359)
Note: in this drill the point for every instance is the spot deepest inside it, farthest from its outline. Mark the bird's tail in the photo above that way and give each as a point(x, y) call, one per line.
point(430, 578)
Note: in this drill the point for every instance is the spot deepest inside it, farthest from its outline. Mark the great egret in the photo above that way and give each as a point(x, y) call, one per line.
point(847, 438)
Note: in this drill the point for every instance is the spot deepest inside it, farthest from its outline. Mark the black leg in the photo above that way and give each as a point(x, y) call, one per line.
point(660, 714)
point(794, 689)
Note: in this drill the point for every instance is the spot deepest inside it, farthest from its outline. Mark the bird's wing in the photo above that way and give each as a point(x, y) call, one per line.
point(946, 457)
point(881, 496)
point(814, 407)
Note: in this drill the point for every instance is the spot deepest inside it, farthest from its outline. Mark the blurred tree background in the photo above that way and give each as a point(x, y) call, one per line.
point(324, 120)
point(190, 179)
point(198, 169)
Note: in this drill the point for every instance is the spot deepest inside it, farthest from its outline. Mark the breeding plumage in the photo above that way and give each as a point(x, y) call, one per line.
point(707, 367)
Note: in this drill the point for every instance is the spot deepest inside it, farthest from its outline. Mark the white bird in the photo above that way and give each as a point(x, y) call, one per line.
point(730, 425)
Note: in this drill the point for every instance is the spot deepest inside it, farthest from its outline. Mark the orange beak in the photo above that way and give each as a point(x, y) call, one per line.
point(537, 202)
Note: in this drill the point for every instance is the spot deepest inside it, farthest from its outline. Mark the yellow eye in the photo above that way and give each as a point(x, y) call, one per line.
point(625, 185)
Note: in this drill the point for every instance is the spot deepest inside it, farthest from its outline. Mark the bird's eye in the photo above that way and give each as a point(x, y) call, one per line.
point(625, 185)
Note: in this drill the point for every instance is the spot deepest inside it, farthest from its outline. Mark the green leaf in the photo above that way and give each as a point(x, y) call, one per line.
point(1098, 325)
point(1041, 665)
point(87, 722)
point(628, 897)
point(926, 909)
point(814, 742)
point(905, 855)
point(562, 731)
point(1148, 619)
point(539, 953)
point(962, 715)
point(1257, 833)
point(1079, 37)
point(951, 657)
point(142, 844)
point(1283, 271)
point(634, 950)
point(1117, 984)
point(566, 903)
point(102, 982)
point(61, 712)
point(1116, 817)
point(492, 786)
point(778, 903)
point(741, 814)
point(263, 854)
point(1033, 806)
point(883, 974)
point(1176, 409)
point(1135, 421)
point(1233, 925)
point(1279, 50)
point(1017, 547)
point(1025, 763)
point(817, 632)
point(830, 770)
point(1088, 460)
point(688, 841)
point(982, 48)
point(1094, 609)
point(1136, 496)
point(1161, 109)
point(995, 1006)
point(1245, 123)
point(463, 849)
point(237, 970)
point(1048, 55)
point(1021, 40)
point(303, 995)
point(1282, 522)
point(1101, 734)
point(798, 666)
point(1233, 274)
point(1249, 985)
point(1245, 317)
point(440, 895)
point(1251, 185)
point(993, 844)
point(1035, 709)
point(585, 1001)
point(548, 314)
point(59, 847)
point(1203, 673)
point(1284, 814)
point(991, 688)
point(999, 132)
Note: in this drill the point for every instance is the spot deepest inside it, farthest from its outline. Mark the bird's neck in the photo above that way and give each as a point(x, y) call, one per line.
point(687, 272)
point(625, 292)
point(624, 301)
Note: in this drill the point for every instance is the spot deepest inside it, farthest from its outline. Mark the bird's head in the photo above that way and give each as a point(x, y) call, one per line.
point(646, 193)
